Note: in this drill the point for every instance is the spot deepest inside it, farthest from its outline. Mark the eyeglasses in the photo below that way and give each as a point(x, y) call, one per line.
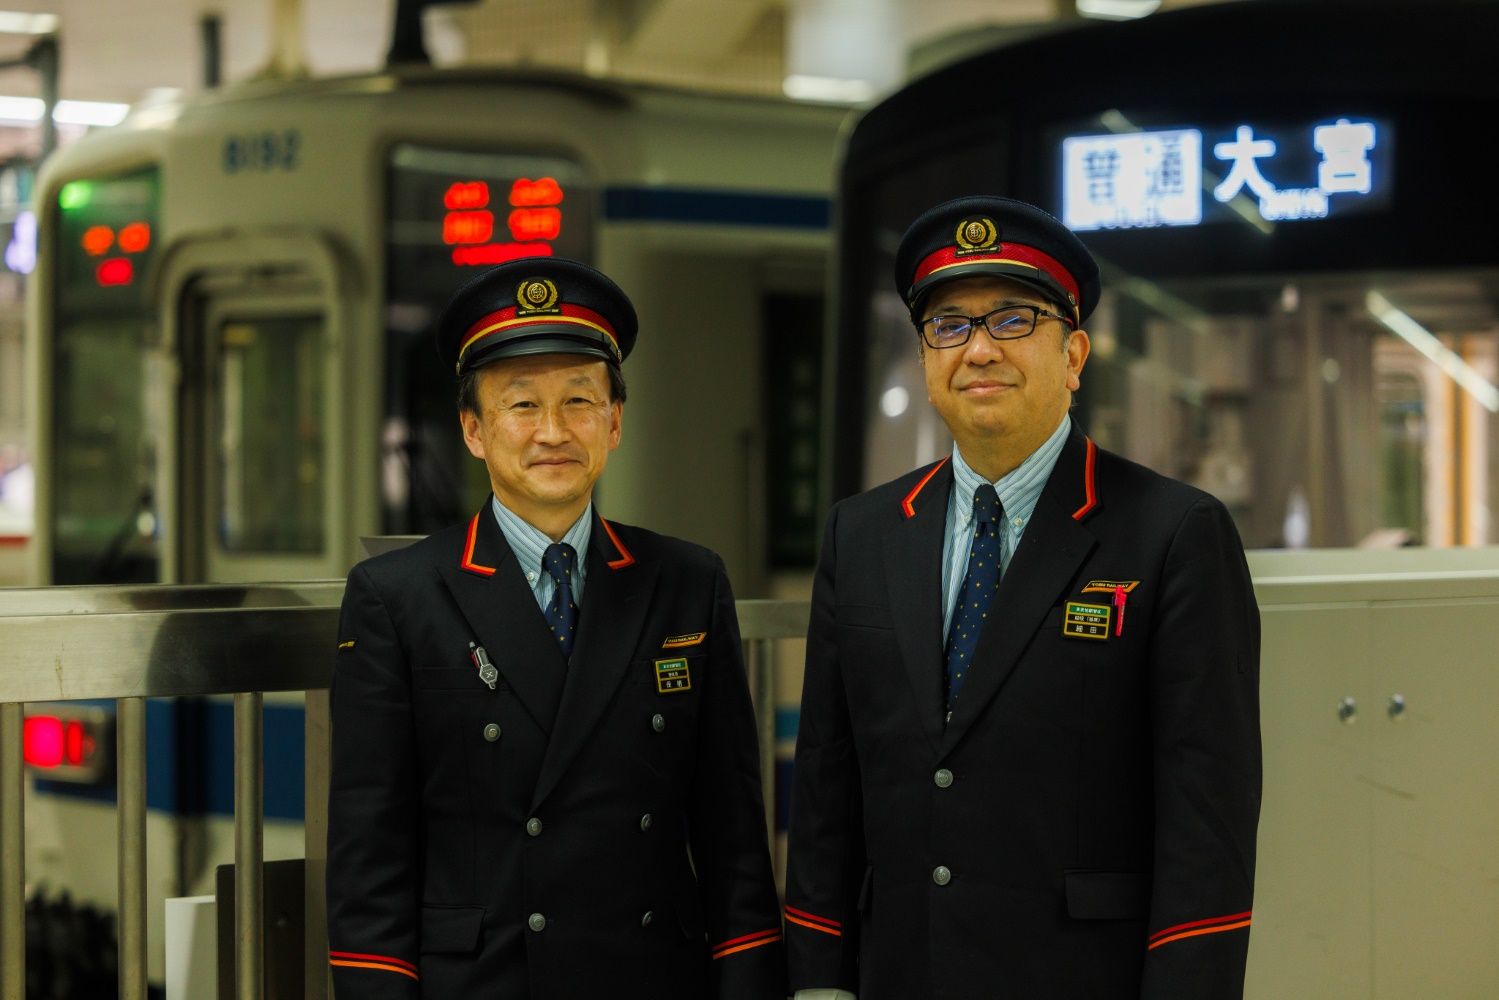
point(1009, 323)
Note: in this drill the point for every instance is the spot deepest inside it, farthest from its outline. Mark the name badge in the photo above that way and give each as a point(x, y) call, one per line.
point(672, 676)
point(1086, 621)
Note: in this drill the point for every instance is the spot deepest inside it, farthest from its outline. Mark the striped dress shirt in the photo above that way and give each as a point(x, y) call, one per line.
point(530, 544)
point(1018, 490)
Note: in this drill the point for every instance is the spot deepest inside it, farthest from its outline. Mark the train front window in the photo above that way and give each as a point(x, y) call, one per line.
point(268, 435)
point(104, 515)
point(1338, 410)
point(451, 214)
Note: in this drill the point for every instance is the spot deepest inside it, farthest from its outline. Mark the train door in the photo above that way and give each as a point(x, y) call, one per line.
point(253, 479)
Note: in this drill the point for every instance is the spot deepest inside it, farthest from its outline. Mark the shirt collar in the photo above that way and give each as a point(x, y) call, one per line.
point(1018, 489)
point(529, 543)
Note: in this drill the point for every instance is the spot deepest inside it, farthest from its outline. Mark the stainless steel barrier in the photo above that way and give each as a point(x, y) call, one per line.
point(137, 642)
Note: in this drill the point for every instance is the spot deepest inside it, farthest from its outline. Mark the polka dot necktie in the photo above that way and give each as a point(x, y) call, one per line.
point(976, 595)
point(562, 610)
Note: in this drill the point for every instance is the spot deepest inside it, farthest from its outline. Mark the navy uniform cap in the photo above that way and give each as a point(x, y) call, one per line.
point(536, 305)
point(990, 235)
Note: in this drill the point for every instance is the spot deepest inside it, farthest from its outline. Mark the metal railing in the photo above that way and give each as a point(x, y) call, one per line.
point(136, 642)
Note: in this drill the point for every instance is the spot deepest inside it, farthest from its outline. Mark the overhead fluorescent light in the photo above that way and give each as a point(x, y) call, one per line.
point(1413, 333)
point(103, 113)
point(21, 22)
point(834, 89)
point(26, 110)
point(1117, 10)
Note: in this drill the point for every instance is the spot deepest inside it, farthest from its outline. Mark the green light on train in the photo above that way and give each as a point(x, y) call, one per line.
point(75, 194)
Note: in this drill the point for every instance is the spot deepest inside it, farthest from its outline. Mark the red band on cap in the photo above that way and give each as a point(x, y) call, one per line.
point(1006, 253)
point(510, 318)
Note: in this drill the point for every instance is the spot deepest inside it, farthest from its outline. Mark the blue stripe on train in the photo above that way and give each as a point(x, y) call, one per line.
point(190, 761)
point(731, 208)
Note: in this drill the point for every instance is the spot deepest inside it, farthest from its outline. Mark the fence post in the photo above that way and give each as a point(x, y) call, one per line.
point(249, 804)
point(319, 731)
point(130, 836)
point(12, 854)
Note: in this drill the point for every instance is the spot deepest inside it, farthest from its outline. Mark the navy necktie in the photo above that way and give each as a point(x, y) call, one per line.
point(562, 610)
point(976, 595)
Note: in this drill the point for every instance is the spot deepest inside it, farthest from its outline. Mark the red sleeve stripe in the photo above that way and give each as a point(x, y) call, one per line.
point(378, 966)
point(1088, 484)
point(468, 550)
point(745, 943)
point(816, 927)
point(1197, 928)
point(905, 504)
point(825, 921)
point(386, 959)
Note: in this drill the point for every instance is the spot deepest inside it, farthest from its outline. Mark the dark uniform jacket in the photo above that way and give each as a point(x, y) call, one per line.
point(591, 828)
point(1084, 824)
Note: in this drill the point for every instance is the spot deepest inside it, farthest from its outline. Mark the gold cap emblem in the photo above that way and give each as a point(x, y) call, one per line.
point(977, 234)
point(536, 295)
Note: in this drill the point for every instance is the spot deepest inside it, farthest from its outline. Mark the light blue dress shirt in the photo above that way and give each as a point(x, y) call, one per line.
point(530, 544)
point(1018, 490)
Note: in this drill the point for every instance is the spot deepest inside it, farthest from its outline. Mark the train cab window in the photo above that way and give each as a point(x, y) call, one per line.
point(104, 518)
point(450, 214)
point(268, 435)
point(1324, 411)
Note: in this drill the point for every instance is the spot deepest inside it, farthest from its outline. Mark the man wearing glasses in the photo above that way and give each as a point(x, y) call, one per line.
point(1029, 756)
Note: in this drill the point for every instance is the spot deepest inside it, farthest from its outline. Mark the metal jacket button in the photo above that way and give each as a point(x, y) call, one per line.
point(941, 875)
point(658, 722)
point(943, 778)
point(536, 922)
point(645, 921)
point(645, 822)
point(533, 826)
point(491, 732)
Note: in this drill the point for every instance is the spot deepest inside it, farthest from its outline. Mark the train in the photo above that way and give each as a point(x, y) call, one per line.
point(233, 298)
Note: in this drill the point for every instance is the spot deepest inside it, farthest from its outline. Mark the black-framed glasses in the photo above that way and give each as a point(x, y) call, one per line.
point(1009, 323)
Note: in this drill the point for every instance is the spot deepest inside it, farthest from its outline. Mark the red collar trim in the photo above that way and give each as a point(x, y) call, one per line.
point(1089, 485)
point(905, 505)
point(468, 551)
point(626, 558)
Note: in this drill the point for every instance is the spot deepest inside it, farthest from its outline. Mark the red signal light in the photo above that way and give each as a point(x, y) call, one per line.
point(466, 194)
point(71, 743)
point(135, 237)
point(498, 253)
point(535, 223)
point(115, 271)
point(467, 227)
point(97, 240)
point(42, 740)
point(525, 193)
point(48, 742)
point(74, 743)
